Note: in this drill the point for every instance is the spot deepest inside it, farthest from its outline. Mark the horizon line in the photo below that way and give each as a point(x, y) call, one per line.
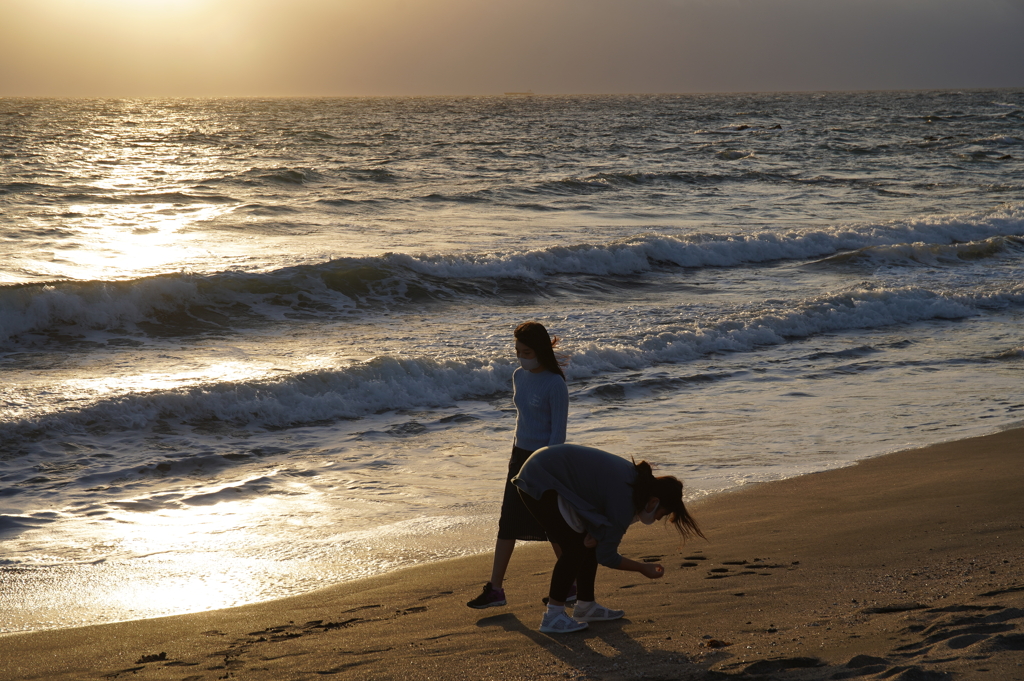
point(520, 94)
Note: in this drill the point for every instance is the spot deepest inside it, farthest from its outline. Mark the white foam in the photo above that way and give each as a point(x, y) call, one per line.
point(642, 253)
point(91, 305)
point(390, 383)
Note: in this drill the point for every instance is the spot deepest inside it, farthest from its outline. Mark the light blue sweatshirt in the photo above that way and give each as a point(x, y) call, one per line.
point(542, 408)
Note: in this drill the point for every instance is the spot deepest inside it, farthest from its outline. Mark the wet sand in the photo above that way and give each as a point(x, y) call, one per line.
point(908, 566)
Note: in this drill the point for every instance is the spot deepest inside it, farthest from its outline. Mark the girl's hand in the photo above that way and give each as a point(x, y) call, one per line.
point(653, 570)
point(589, 541)
point(649, 570)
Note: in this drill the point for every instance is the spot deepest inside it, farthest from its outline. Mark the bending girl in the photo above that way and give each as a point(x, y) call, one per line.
point(586, 499)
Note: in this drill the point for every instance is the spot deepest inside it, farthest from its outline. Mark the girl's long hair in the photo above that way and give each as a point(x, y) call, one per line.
point(669, 491)
point(534, 336)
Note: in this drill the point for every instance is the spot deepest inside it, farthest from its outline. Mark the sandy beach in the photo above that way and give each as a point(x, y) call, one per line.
point(907, 566)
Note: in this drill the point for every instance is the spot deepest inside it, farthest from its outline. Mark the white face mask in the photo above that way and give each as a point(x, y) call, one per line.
point(647, 517)
point(529, 364)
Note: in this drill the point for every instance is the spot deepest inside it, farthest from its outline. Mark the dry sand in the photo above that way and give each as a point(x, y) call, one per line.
point(907, 567)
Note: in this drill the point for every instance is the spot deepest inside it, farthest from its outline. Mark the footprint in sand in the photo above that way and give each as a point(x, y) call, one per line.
point(441, 594)
point(328, 626)
point(362, 607)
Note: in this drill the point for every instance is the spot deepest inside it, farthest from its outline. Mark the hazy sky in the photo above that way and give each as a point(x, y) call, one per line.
point(469, 47)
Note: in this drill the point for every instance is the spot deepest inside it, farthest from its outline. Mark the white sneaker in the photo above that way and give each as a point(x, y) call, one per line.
point(560, 623)
point(595, 613)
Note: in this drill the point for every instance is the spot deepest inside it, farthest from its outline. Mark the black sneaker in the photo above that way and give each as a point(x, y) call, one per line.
point(489, 598)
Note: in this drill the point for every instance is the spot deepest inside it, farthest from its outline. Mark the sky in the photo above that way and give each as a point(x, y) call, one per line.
point(257, 48)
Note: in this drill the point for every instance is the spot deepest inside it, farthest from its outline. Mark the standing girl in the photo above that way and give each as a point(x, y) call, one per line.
point(541, 398)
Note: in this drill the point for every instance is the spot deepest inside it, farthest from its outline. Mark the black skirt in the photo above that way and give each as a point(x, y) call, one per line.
point(516, 521)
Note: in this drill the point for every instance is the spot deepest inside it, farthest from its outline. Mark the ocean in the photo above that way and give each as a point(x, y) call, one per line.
point(251, 348)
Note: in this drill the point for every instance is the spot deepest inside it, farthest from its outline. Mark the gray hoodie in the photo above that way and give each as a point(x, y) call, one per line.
point(594, 482)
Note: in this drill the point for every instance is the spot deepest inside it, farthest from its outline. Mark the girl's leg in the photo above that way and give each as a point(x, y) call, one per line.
point(566, 571)
point(503, 549)
point(573, 562)
point(502, 555)
point(587, 575)
point(514, 523)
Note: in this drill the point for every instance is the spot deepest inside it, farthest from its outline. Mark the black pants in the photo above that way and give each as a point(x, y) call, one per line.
point(577, 562)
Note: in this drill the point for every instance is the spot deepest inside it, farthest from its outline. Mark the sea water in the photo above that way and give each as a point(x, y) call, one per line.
point(251, 348)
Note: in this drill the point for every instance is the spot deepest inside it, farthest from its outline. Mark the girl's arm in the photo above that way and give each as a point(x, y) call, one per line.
point(559, 401)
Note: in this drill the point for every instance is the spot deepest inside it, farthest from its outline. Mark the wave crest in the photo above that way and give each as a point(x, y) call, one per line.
point(389, 383)
point(191, 303)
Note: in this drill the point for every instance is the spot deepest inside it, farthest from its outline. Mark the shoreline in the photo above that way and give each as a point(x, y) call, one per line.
point(485, 547)
point(911, 560)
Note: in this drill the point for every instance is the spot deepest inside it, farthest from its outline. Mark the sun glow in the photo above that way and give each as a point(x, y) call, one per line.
point(132, 8)
point(134, 214)
point(115, 16)
point(185, 548)
point(118, 48)
point(221, 372)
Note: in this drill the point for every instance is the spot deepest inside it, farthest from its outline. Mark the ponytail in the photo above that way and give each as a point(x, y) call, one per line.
point(669, 491)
